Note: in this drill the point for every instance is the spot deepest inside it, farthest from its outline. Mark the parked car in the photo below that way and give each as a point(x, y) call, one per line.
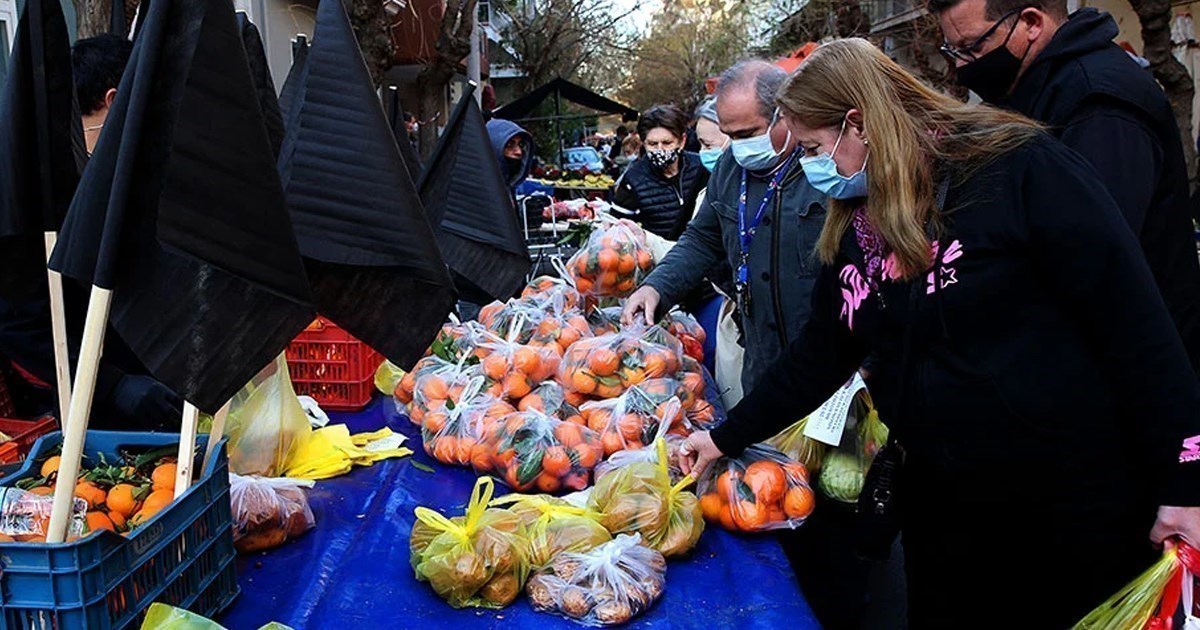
point(583, 157)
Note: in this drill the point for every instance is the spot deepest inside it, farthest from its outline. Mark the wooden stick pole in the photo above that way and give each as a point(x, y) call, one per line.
point(187, 449)
point(79, 411)
point(58, 325)
point(215, 435)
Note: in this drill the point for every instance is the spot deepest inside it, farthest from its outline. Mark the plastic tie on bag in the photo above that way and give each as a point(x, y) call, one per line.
point(481, 496)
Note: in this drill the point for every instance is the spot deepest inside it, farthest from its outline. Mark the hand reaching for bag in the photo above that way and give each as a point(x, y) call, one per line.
point(698, 453)
point(641, 306)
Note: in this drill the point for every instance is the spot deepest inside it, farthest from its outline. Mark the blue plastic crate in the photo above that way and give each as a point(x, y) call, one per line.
point(183, 556)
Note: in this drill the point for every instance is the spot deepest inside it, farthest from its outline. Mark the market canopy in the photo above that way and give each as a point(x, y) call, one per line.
point(561, 88)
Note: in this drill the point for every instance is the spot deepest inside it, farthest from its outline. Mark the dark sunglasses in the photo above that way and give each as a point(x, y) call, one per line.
point(970, 52)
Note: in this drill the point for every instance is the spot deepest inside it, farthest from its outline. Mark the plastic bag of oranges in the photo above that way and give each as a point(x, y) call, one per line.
point(514, 320)
point(555, 526)
point(613, 262)
point(554, 295)
point(688, 331)
point(760, 490)
point(635, 418)
point(640, 498)
point(268, 511)
point(561, 330)
point(605, 320)
point(478, 559)
point(551, 399)
point(517, 367)
point(436, 382)
point(450, 434)
point(533, 452)
point(607, 365)
point(607, 586)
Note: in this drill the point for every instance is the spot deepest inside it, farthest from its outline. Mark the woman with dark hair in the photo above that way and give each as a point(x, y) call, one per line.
point(660, 188)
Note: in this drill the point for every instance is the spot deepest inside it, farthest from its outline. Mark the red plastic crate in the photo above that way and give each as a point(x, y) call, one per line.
point(7, 410)
point(333, 367)
point(23, 433)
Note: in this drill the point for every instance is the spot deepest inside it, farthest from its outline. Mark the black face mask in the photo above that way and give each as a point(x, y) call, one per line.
point(514, 166)
point(992, 75)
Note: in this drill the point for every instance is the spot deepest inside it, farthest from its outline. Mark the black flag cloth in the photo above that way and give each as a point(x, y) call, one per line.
point(395, 114)
point(291, 83)
point(180, 211)
point(41, 146)
point(467, 198)
point(371, 256)
point(260, 71)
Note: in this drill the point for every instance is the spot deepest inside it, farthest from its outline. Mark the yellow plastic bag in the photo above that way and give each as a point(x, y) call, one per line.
point(555, 526)
point(799, 447)
point(164, 617)
point(640, 499)
point(387, 377)
point(479, 559)
point(267, 427)
point(1133, 605)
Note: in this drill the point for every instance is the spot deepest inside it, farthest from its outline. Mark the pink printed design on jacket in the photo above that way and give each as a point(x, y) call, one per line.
point(948, 273)
point(1191, 450)
point(854, 292)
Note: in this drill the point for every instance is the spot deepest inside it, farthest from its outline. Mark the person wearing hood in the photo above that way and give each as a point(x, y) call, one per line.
point(660, 188)
point(514, 150)
point(1067, 73)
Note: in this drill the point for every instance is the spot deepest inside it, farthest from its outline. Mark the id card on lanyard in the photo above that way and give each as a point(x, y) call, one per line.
point(748, 228)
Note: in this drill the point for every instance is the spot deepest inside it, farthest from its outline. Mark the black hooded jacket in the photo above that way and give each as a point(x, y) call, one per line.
point(1099, 102)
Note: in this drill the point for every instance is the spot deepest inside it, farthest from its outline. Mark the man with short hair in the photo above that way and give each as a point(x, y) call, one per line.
point(98, 63)
point(1066, 71)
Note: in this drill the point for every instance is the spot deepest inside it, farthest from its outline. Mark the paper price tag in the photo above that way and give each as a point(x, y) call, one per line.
point(829, 420)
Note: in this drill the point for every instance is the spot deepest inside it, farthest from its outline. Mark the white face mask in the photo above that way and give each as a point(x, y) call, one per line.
point(758, 153)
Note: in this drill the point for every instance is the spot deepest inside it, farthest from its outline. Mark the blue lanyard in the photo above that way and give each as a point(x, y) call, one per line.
point(746, 232)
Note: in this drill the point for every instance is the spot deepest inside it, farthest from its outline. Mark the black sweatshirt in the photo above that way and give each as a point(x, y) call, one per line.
point(1044, 361)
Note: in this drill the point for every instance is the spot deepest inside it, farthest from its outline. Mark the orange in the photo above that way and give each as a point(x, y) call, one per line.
point(630, 425)
point(142, 516)
point(568, 336)
point(726, 517)
point(548, 483)
point(120, 499)
point(608, 260)
point(555, 461)
point(693, 382)
point(589, 456)
point(51, 465)
point(775, 514)
point(89, 492)
point(575, 419)
point(495, 366)
point(749, 516)
point(598, 420)
point(99, 520)
point(499, 409)
point(434, 388)
point(798, 502)
point(516, 385)
point(626, 264)
point(408, 382)
point(481, 457)
point(656, 366)
point(612, 442)
point(796, 472)
point(158, 500)
point(583, 382)
point(118, 519)
point(767, 480)
point(607, 280)
point(725, 485)
point(711, 505)
point(583, 284)
point(510, 477)
point(445, 449)
point(44, 491)
point(603, 362)
point(532, 401)
point(434, 422)
point(164, 476)
point(625, 286)
point(527, 360)
point(568, 434)
point(466, 446)
point(6, 538)
point(609, 391)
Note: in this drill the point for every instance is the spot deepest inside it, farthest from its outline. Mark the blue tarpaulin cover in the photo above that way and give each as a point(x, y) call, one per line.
point(352, 572)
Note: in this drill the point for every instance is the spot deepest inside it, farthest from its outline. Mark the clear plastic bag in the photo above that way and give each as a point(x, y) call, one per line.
point(517, 367)
point(514, 320)
point(607, 586)
point(555, 526)
point(613, 262)
point(266, 427)
point(844, 469)
point(268, 511)
point(605, 321)
point(640, 498)
point(437, 382)
point(635, 418)
point(451, 434)
point(607, 365)
point(479, 559)
point(554, 295)
point(758, 491)
point(25, 516)
point(551, 399)
point(799, 447)
point(533, 452)
point(688, 331)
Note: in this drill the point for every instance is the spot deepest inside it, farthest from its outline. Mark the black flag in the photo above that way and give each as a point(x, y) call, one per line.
point(180, 211)
point(395, 114)
point(116, 14)
point(467, 198)
point(371, 255)
point(291, 84)
point(260, 71)
point(41, 145)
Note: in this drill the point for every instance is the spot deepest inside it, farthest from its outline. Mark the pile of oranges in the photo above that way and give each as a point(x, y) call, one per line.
point(613, 262)
point(119, 498)
point(607, 365)
point(635, 418)
point(759, 491)
point(533, 452)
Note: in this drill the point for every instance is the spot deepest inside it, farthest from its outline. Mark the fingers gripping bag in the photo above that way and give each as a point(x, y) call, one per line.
point(799, 447)
point(758, 491)
point(607, 586)
point(516, 367)
point(613, 262)
point(268, 511)
point(607, 365)
point(534, 452)
point(555, 526)
point(640, 499)
point(688, 331)
point(844, 469)
point(479, 559)
point(634, 419)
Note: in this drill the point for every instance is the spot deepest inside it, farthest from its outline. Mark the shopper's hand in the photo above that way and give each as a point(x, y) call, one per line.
point(698, 453)
point(1177, 522)
point(642, 304)
point(147, 404)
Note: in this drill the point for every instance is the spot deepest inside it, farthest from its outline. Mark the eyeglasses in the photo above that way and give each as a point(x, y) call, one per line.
point(970, 52)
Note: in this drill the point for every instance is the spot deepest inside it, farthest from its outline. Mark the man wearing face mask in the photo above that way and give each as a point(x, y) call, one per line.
point(1066, 72)
point(514, 150)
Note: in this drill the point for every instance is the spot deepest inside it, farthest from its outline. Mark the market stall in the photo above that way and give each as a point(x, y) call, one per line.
point(353, 569)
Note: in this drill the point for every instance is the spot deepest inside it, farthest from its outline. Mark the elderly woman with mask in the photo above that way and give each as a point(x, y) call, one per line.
point(660, 188)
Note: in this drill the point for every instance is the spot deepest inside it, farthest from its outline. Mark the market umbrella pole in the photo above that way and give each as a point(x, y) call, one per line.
point(58, 327)
point(187, 449)
point(215, 435)
point(79, 411)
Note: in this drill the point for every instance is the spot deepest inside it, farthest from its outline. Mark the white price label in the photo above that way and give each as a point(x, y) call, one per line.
point(829, 420)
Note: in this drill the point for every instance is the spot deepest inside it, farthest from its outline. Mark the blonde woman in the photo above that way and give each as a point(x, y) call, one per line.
point(1021, 353)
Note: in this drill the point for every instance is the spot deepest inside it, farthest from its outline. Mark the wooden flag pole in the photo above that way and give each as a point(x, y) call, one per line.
point(187, 449)
point(79, 411)
point(58, 326)
point(215, 435)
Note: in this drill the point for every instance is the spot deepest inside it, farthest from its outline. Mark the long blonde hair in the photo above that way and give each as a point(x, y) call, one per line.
point(915, 134)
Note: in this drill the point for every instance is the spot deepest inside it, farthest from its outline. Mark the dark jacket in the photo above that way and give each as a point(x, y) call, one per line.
point(1099, 102)
point(1044, 400)
point(663, 206)
point(782, 266)
point(500, 132)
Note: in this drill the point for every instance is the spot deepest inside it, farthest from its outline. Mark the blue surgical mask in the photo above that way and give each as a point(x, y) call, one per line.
point(822, 173)
point(758, 153)
point(710, 157)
